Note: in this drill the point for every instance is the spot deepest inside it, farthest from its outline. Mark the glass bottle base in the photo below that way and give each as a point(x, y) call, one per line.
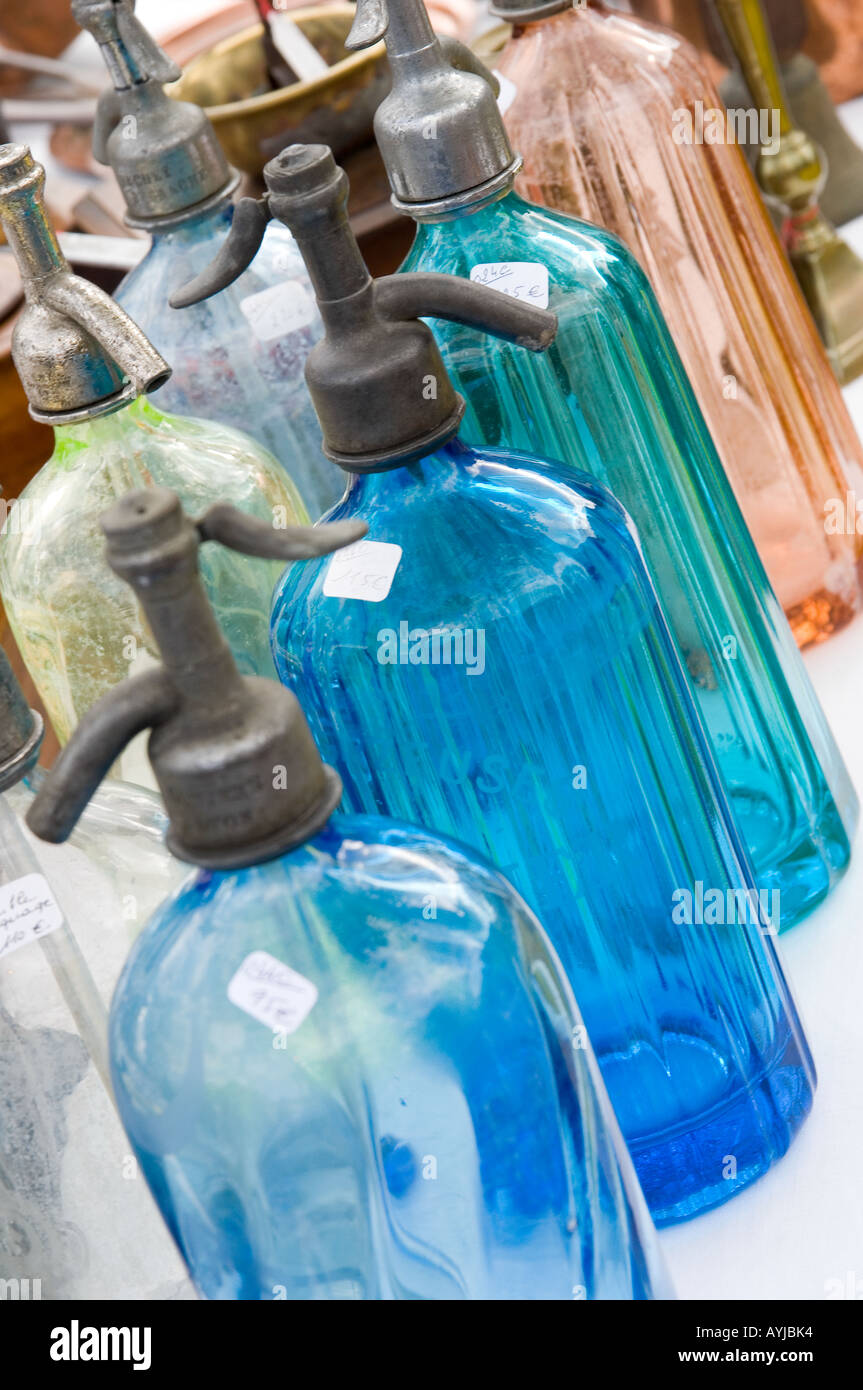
point(811, 865)
point(686, 1170)
point(818, 617)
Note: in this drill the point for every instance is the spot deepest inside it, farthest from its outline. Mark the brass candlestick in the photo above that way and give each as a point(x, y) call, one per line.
point(792, 175)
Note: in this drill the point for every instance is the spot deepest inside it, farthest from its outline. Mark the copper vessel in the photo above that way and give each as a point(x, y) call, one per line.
point(834, 37)
point(835, 41)
point(600, 102)
point(809, 101)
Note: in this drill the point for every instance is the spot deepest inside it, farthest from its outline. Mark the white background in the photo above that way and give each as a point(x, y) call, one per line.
point(798, 1232)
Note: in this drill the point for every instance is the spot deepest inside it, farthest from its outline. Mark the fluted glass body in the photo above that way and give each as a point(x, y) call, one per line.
point(610, 397)
point(78, 626)
point(606, 116)
point(428, 1121)
point(240, 356)
point(76, 1219)
point(566, 746)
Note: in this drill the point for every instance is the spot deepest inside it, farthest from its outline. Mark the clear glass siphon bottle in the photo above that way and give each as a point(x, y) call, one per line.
point(610, 398)
point(239, 359)
point(85, 367)
point(398, 1101)
point(76, 1221)
point(502, 672)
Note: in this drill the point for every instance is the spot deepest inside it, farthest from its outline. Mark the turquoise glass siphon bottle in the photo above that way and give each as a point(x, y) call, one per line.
point(76, 1221)
point(238, 359)
point(86, 368)
point(611, 398)
point(502, 672)
point(384, 1090)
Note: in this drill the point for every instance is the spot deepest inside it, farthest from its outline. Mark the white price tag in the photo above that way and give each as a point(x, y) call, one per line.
point(272, 993)
point(519, 279)
point(28, 911)
point(363, 570)
point(507, 94)
point(280, 310)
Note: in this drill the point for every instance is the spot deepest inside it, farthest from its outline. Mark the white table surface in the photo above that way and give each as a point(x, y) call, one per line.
point(798, 1232)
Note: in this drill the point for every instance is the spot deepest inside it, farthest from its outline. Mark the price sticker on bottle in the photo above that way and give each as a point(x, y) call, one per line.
point(272, 992)
point(28, 911)
point(364, 570)
point(279, 311)
point(524, 280)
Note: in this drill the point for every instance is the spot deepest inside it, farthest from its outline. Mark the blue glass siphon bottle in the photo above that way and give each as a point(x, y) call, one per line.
point(503, 673)
point(611, 398)
point(383, 1090)
point(238, 359)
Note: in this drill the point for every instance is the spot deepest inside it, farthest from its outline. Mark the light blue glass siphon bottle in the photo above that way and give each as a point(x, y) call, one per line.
point(73, 1222)
point(239, 359)
point(384, 1089)
point(611, 398)
point(502, 672)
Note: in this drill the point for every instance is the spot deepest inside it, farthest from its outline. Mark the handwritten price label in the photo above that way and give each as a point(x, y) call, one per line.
point(28, 911)
point(519, 279)
point(279, 311)
point(272, 993)
point(363, 570)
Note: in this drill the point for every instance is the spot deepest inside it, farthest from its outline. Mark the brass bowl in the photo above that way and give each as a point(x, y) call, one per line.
point(254, 123)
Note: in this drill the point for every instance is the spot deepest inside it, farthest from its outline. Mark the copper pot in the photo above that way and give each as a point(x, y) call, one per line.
point(43, 27)
point(835, 41)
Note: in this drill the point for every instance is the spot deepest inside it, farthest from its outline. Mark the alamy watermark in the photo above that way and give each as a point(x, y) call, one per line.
point(709, 125)
point(843, 516)
point(713, 907)
point(436, 646)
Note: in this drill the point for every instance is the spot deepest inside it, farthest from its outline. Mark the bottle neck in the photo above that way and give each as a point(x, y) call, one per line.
point(431, 471)
point(463, 204)
point(196, 225)
point(527, 18)
point(110, 424)
point(496, 194)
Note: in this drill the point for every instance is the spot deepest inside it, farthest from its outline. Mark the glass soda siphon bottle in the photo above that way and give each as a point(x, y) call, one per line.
point(239, 359)
point(86, 369)
point(617, 122)
point(503, 673)
point(76, 1221)
point(383, 1090)
point(611, 398)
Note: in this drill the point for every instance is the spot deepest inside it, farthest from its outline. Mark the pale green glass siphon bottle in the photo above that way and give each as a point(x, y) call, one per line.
point(86, 368)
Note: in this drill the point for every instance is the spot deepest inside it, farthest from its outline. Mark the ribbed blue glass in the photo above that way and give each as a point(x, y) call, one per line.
point(610, 397)
point(419, 1118)
point(238, 357)
point(561, 738)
